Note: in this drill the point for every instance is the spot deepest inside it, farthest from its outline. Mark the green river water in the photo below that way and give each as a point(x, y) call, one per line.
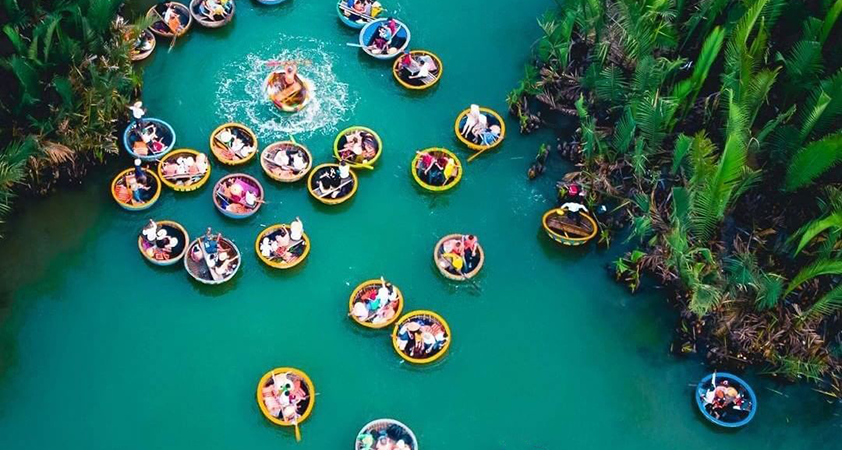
point(100, 350)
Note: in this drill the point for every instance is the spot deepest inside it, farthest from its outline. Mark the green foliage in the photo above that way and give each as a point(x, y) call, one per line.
point(689, 88)
point(611, 85)
point(817, 269)
point(825, 306)
point(813, 160)
point(716, 193)
point(69, 79)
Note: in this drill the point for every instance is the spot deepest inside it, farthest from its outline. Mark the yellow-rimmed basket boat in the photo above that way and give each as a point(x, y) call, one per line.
point(301, 247)
point(381, 317)
point(201, 14)
point(159, 27)
point(436, 153)
point(172, 252)
point(344, 191)
point(290, 382)
point(446, 267)
point(407, 77)
point(371, 147)
point(493, 119)
point(225, 143)
point(283, 173)
point(144, 45)
point(125, 184)
point(561, 227)
point(235, 204)
point(435, 340)
point(205, 267)
point(193, 175)
point(390, 429)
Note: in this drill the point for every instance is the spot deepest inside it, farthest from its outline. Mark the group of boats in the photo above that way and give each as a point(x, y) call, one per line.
point(286, 395)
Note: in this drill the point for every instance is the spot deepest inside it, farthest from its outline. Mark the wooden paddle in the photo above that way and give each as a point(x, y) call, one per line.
point(336, 189)
point(297, 432)
point(477, 154)
point(174, 32)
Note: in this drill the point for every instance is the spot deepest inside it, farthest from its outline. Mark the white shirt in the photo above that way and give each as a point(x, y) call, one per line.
point(281, 158)
point(251, 199)
point(344, 171)
point(296, 229)
point(575, 207)
point(298, 162)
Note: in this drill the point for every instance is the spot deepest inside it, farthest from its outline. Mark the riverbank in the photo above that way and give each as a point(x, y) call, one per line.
point(732, 202)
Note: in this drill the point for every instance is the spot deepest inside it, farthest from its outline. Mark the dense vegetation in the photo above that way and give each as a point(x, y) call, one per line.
point(67, 78)
point(712, 129)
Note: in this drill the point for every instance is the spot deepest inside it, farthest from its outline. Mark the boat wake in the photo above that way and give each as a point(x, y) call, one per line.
point(240, 94)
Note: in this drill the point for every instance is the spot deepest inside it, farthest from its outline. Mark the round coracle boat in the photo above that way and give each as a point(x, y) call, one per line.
point(279, 247)
point(479, 128)
point(375, 303)
point(233, 143)
point(421, 337)
point(172, 19)
point(144, 45)
point(286, 161)
point(286, 397)
point(436, 169)
point(289, 94)
point(384, 38)
point(332, 184)
point(212, 259)
point(569, 227)
point(184, 170)
point(385, 434)
point(358, 147)
point(163, 243)
point(726, 400)
point(136, 191)
point(417, 70)
point(212, 13)
point(238, 195)
point(148, 139)
point(356, 13)
point(459, 256)
point(271, 2)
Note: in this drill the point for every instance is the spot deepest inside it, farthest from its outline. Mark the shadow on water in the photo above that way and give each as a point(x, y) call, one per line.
point(215, 290)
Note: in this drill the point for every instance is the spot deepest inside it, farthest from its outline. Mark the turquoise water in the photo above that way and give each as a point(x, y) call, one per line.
point(100, 350)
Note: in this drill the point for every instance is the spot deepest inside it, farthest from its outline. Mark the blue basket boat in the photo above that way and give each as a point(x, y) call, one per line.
point(163, 131)
point(736, 413)
point(271, 2)
point(352, 18)
point(393, 47)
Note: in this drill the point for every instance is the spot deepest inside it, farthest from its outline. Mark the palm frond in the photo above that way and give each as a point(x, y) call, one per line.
point(624, 132)
point(826, 305)
point(817, 269)
point(813, 160)
point(829, 20)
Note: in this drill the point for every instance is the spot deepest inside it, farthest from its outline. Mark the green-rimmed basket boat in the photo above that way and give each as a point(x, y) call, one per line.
point(361, 161)
point(561, 228)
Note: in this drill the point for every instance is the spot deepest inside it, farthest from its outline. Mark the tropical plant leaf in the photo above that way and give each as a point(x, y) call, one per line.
point(769, 290)
point(815, 227)
point(611, 85)
point(818, 268)
point(826, 305)
point(624, 132)
point(829, 20)
point(812, 161)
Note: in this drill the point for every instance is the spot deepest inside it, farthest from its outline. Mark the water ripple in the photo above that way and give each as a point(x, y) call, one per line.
point(241, 99)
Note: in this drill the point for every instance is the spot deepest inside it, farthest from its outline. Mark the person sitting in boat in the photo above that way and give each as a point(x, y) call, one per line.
point(214, 9)
point(353, 148)
point(150, 231)
point(383, 37)
point(329, 180)
point(469, 245)
point(490, 135)
point(170, 18)
point(284, 85)
point(298, 162)
point(281, 159)
point(474, 121)
point(137, 189)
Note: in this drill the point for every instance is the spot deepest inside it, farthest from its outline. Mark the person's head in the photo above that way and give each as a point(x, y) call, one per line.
point(137, 162)
point(162, 233)
point(236, 189)
point(495, 129)
point(208, 233)
point(475, 110)
point(574, 189)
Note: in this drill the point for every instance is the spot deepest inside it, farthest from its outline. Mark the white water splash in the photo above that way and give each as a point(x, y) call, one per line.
point(241, 99)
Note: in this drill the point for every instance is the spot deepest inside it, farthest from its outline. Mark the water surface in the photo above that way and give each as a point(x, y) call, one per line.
point(100, 350)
